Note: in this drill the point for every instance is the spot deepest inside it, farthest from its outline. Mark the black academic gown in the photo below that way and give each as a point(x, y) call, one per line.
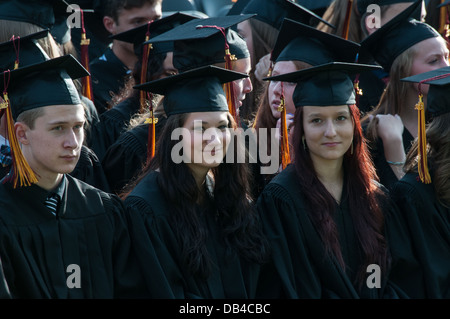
point(125, 158)
point(88, 232)
point(429, 225)
point(4, 289)
point(108, 76)
point(299, 267)
point(112, 124)
point(158, 250)
point(89, 170)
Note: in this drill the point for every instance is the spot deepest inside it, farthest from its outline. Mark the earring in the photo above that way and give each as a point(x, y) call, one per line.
point(304, 144)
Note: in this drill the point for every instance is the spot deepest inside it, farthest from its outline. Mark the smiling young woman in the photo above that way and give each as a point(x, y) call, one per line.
point(325, 214)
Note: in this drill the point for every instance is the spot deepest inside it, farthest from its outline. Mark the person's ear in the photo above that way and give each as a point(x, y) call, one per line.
point(110, 24)
point(21, 130)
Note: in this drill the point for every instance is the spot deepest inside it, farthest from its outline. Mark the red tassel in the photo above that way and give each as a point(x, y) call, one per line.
point(84, 51)
point(348, 14)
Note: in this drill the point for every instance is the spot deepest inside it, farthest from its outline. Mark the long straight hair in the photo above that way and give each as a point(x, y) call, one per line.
point(239, 224)
point(438, 156)
point(363, 195)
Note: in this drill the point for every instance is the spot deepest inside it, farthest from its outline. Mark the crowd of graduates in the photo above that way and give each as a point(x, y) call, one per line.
point(273, 150)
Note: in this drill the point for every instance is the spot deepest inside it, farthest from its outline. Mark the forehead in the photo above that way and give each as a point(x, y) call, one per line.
point(325, 110)
point(207, 117)
point(63, 113)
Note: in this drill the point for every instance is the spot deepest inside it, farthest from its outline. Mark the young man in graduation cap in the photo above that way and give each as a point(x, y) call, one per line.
point(423, 194)
point(60, 237)
point(110, 70)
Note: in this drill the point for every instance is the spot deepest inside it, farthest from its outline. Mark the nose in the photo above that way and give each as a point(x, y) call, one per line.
point(330, 130)
point(248, 86)
point(72, 140)
point(212, 137)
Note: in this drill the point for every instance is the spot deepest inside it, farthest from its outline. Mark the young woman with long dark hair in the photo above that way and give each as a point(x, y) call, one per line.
point(325, 214)
point(194, 226)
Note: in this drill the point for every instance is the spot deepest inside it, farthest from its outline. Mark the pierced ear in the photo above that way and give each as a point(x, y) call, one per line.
point(109, 24)
point(21, 130)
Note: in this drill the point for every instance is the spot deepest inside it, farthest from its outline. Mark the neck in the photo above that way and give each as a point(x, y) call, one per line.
point(331, 175)
point(124, 55)
point(49, 182)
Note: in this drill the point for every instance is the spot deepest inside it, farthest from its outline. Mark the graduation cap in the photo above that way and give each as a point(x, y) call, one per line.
point(324, 85)
point(198, 90)
point(396, 36)
point(363, 4)
point(237, 7)
point(438, 103)
point(273, 12)
point(22, 51)
point(37, 12)
point(301, 42)
point(203, 42)
point(30, 87)
point(137, 36)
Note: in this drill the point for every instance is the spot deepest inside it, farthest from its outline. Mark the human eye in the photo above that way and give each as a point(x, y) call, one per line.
point(57, 128)
point(342, 118)
point(316, 120)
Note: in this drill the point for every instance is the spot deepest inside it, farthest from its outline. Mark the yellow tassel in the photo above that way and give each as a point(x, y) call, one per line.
point(422, 143)
point(229, 88)
point(285, 155)
point(21, 172)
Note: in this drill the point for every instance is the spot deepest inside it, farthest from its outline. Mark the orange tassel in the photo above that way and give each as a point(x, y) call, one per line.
point(229, 87)
point(152, 120)
point(84, 52)
point(284, 147)
point(348, 14)
point(21, 173)
point(422, 143)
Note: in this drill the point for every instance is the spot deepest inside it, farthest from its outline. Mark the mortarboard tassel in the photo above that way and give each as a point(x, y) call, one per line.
point(145, 53)
point(358, 90)
point(422, 142)
point(16, 49)
point(228, 87)
point(284, 147)
point(84, 52)
point(152, 120)
point(146, 98)
point(348, 14)
point(21, 173)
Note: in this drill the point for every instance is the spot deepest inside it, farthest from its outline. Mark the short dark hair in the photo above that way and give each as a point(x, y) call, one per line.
point(112, 8)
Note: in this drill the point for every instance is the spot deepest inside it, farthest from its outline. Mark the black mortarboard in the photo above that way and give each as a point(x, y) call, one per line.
point(396, 36)
point(200, 42)
point(198, 90)
point(237, 7)
point(43, 84)
point(137, 36)
point(273, 12)
point(37, 12)
point(438, 103)
point(22, 51)
point(438, 96)
point(324, 85)
point(363, 4)
point(300, 42)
